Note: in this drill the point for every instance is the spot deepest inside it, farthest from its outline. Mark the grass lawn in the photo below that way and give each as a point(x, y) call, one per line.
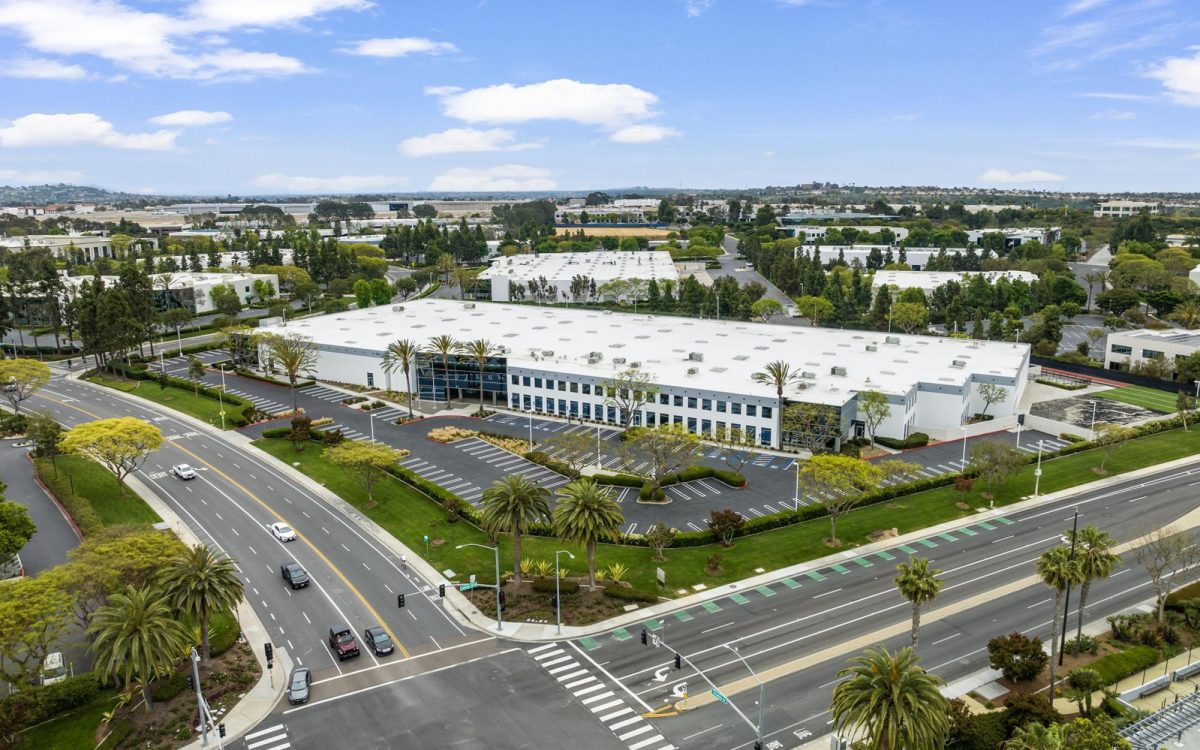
point(409, 515)
point(77, 479)
point(70, 731)
point(1147, 398)
point(179, 399)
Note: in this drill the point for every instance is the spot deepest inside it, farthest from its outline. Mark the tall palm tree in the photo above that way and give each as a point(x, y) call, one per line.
point(919, 585)
point(443, 346)
point(402, 355)
point(1093, 551)
point(138, 636)
point(201, 582)
point(777, 374)
point(587, 514)
point(296, 354)
point(1187, 314)
point(892, 701)
point(510, 505)
point(1035, 736)
point(1058, 569)
point(480, 350)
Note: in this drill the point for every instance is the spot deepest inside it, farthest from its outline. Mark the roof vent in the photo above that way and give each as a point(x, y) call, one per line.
point(837, 371)
point(635, 365)
point(618, 360)
point(872, 348)
point(693, 371)
point(547, 352)
point(808, 375)
point(397, 308)
point(696, 356)
point(891, 340)
point(959, 363)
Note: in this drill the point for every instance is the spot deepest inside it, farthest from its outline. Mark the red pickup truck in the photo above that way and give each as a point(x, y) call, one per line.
point(342, 642)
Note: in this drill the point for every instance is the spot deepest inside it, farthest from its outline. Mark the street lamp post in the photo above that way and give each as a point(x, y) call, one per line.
point(529, 413)
point(598, 467)
point(179, 340)
point(796, 498)
point(495, 550)
point(199, 697)
point(762, 689)
point(372, 416)
point(557, 591)
point(1093, 427)
point(1037, 473)
point(964, 450)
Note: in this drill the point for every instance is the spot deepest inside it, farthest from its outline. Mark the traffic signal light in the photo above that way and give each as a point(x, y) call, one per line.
point(758, 745)
point(554, 600)
point(191, 683)
point(270, 651)
point(442, 590)
point(221, 729)
point(678, 661)
point(501, 597)
point(400, 600)
point(645, 637)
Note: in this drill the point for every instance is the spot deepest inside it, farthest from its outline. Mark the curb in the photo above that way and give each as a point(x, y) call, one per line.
point(54, 499)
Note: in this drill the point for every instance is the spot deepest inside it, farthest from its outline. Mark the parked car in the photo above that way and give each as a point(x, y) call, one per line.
point(53, 669)
point(299, 684)
point(379, 641)
point(342, 641)
point(183, 471)
point(295, 575)
point(282, 532)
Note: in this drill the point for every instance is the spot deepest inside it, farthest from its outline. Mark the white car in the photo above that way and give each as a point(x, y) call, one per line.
point(282, 532)
point(183, 471)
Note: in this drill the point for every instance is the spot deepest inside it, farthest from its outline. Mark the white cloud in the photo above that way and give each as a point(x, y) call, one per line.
point(39, 176)
point(1181, 77)
point(463, 140)
point(342, 184)
point(442, 90)
point(899, 118)
point(1180, 144)
point(695, 8)
point(1114, 114)
point(1082, 6)
point(83, 128)
point(504, 177)
point(41, 68)
point(1116, 96)
point(228, 14)
point(643, 134)
point(188, 118)
point(768, 154)
point(400, 47)
point(609, 105)
point(1027, 176)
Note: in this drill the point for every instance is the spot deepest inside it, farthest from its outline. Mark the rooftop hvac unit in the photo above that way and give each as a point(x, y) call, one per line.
point(635, 365)
point(959, 363)
point(547, 352)
point(618, 360)
point(397, 308)
point(593, 360)
point(808, 375)
point(469, 305)
point(892, 340)
point(837, 371)
point(597, 355)
point(801, 386)
point(693, 371)
point(872, 348)
point(696, 356)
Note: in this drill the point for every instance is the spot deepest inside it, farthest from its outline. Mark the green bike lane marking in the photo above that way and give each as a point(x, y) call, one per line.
point(863, 562)
point(814, 575)
point(621, 634)
point(838, 567)
point(885, 555)
point(738, 599)
point(711, 606)
point(790, 583)
point(765, 591)
point(591, 644)
point(683, 615)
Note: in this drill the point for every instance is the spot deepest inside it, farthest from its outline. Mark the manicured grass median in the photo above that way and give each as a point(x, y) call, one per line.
point(179, 399)
point(409, 515)
point(73, 730)
point(78, 482)
point(1147, 398)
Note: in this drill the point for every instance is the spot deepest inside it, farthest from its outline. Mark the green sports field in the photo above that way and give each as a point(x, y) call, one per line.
point(1147, 398)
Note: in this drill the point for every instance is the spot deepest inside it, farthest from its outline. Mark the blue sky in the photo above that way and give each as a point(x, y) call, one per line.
point(276, 96)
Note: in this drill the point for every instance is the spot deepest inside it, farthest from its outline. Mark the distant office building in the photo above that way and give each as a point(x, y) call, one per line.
point(1126, 348)
point(80, 248)
point(927, 281)
point(553, 272)
point(193, 291)
point(1121, 208)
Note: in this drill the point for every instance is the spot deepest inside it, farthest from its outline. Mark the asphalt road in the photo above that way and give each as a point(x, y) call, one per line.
point(55, 536)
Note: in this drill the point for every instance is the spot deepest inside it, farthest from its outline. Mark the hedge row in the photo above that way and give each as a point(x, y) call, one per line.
point(267, 379)
point(240, 415)
point(614, 591)
point(540, 457)
point(546, 586)
point(619, 480)
point(915, 440)
point(1117, 666)
point(1176, 598)
point(33, 705)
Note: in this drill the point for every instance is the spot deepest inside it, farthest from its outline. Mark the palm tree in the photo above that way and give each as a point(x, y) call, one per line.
point(1093, 551)
point(1058, 569)
point(1098, 277)
point(1035, 736)
point(296, 354)
point(587, 514)
point(777, 374)
point(510, 505)
point(201, 582)
point(443, 346)
point(402, 355)
point(1187, 314)
point(891, 700)
point(463, 278)
point(480, 350)
point(918, 584)
point(138, 636)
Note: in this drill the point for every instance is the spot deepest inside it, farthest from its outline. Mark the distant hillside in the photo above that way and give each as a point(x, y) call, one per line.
point(40, 195)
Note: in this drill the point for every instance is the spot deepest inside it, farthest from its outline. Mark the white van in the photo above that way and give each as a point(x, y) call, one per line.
point(53, 669)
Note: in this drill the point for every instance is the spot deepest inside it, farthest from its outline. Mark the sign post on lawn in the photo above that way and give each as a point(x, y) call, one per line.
point(662, 577)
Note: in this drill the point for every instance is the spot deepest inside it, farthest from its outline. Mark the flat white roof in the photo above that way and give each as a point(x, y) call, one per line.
point(560, 339)
point(930, 280)
point(601, 265)
point(181, 279)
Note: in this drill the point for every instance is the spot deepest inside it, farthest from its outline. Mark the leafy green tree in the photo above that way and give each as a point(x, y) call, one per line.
point(995, 461)
point(20, 379)
point(814, 308)
point(381, 291)
point(665, 449)
point(195, 373)
point(890, 701)
point(405, 286)
point(628, 391)
point(840, 481)
point(725, 524)
point(1093, 733)
point(138, 636)
point(225, 300)
point(1110, 438)
point(1083, 682)
point(992, 393)
point(362, 293)
point(46, 434)
point(201, 582)
point(1058, 570)
point(121, 444)
point(34, 612)
point(919, 585)
point(1093, 549)
point(777, 375)
point(1019, 657)
point(766, 308)
point(873, 408)
point(301, 431)
point(402, 355)
point(909, 316)
point(510, 506)
point(1036, 736)
point(370, 462)
point(587, 514)
point(659, 537)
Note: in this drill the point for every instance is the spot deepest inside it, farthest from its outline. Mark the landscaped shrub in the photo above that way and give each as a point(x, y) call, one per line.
point(1176, 598)
point(238, 411)
point(915, 440)
point(35, 704)
point(1071, 437)
point(166, 688)
point(538, 457)
point(353, 400)
point(268, 379)
point(1117, 666)
point(546, 586)
point(647, 492)
point(1064, 386)
point(731, 478)
point(119, 730)
point(220, 641)
point(630, 595)
point(619, 480)
point(277, 432)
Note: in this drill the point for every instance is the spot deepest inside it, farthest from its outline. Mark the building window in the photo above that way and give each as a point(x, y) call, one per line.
point(525, 400)
point(516, 380)
point(612, 414)
point(649, 419)
point(679, 400)
point(736, 407)
point(692, 424)
point(765, 435)
point(1151, 354)
point(537, 403)
point(751, 410)
point(574, 408)
point(525, 381)
point(516, 400)
point(691, 402)
point(574, 387)
point(664, 399)
point(750, 433)
point(1121, 349)
point(721, 407)
point(706, 426)
point(587, 410)
point(587, 389)
point(721, 429)
point(537, 382)
point(678, 419)
point(562, 385)
point(735, 427)
point(370, 380)
point(766, 412)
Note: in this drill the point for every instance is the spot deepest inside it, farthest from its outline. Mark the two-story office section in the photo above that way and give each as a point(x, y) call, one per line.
point(560, 361)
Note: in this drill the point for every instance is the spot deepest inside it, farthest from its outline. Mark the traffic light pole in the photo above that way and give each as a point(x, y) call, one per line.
point(199, 698)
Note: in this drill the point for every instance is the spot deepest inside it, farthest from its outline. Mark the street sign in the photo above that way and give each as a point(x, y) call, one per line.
point(661, 575)
point(719, 696)
point(466, 586)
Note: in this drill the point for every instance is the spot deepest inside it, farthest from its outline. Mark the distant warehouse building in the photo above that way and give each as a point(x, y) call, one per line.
point(558, 360)
point(548, 276)
point(193, 291)
point(1128, 348)
point(927, 281)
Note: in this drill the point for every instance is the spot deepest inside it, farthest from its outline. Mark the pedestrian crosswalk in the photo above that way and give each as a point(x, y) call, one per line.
point(178, 364)
point(609, 708)
point(271, 738)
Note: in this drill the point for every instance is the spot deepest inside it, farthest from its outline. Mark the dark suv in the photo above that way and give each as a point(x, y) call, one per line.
point(341, 640)
point(379, 641)
point(295, 575)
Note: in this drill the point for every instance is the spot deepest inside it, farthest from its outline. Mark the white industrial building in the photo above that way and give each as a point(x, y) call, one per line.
point(559, 269)
point(1126, 348)
point(81, 248)
point(1121, 208)
point(192, 291)
point(916, 258)
point(556, 360)
point(814, 232)
point(927, 281)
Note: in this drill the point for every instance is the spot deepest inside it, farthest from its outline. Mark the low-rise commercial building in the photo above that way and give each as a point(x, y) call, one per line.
point(1119, 209)
point(79, 248)
point(548, 277)
point(1126, 349)
point(563, 361)
point(927, 281)
point(193, 291)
